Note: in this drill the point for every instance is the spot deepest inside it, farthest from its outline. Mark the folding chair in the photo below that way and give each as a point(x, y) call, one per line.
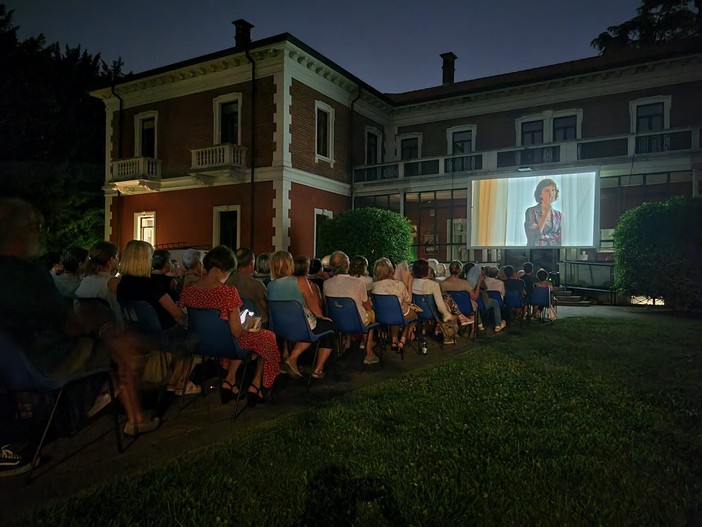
point(286, 318)
point(462, 299)
point(514, 300)
point(209, 335)
point(541, 297)
point(344, 315)
point(429, 313)
point(18, 374)
point(388, 313)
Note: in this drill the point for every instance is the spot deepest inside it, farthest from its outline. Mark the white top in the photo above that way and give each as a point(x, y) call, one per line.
point(423, 286)
point(345, 285)
point(493, 284)
point(390, 286)
point(95, 286)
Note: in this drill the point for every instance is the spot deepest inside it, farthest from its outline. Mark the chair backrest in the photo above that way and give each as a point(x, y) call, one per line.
point(428, 306)
point(513, 298)
point(94, 308)
point(17, 372)
point(209, 335)
point(286, 318)
point(462, 299)
point(140, 316)
point(497, 296)
point(541, 296)
point(344, 314)
point(388, 310)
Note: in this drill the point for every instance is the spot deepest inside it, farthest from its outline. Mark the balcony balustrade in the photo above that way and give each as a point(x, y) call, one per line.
point(622, 146)
point(218, 158)
point(136, 168)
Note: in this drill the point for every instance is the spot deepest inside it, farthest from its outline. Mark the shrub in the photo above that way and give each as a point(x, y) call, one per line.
point(658, 249)
point(368, 232)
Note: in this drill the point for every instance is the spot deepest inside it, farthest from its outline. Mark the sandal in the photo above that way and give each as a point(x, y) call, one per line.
point(317, 374)
point(395, 345)
point(254, 397)
point(134, 429)
point(227, 394)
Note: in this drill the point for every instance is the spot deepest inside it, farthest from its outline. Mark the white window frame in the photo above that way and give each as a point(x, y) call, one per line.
point(547, 117)
point(138, 118)
point(216, 223)
point(321, 212)
point(412, 135)
point(379, 152)
point(217, 103)
point(633, 105)
point(319, 105)
point(138, 217)
point(473, 129)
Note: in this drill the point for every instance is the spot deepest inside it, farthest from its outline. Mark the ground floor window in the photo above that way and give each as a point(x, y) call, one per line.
point(145, 227)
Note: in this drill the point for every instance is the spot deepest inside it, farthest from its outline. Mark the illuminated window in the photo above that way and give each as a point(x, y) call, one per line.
point(145, 227)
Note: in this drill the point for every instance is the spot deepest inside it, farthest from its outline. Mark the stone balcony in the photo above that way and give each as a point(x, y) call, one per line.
point(136, 174)
point(226, 161)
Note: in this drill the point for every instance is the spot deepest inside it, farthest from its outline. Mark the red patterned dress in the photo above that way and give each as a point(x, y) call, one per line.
point(225, 298)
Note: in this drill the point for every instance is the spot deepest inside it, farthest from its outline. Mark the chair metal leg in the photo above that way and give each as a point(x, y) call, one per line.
point(185, 382)
point(314, 362)
point(43, 436)
point(115, 414)
point(247, 361)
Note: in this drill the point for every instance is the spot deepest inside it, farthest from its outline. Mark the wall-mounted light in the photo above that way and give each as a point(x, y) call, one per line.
point(524, 169)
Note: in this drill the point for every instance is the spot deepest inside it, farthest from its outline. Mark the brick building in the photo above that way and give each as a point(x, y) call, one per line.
point(199, 153)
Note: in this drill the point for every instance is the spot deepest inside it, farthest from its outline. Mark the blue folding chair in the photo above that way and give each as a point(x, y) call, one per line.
point(388, 313)
point(514, 300)
point(430, 312)
point(141, 316)
point(498, 297)
point(209, 335)
point(286, 318)
point(541, 297)
point(18, 374)
point(462, 299)
point(345, 317)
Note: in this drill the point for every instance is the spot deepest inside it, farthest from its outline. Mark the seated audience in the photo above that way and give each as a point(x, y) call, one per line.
point(52, 259)
point(512, 283)
point(404, 275)
point(73, 261)
point(213, 293)
point(358, 268)
point(247, 285)
point(263, 269)
point(476, 280)
point(161, 272)
point(288, 286)
point(493, 283)
point(137, 283)
point(529, 281)
point(386, 284)
point(455, 283)
point(193, 269)
point(58, 341)
point(340, 285)
point(316, 275)
point(542, 277)
point(100, 280)
point(423, 285)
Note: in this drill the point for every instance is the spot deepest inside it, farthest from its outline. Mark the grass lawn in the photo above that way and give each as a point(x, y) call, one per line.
point(588, 422)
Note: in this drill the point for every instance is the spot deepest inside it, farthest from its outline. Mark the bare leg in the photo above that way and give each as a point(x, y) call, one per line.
point(297, 350)
point(322, 357)
point(231, 372)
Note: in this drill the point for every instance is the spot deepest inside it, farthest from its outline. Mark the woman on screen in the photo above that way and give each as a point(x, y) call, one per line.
point(542, 223)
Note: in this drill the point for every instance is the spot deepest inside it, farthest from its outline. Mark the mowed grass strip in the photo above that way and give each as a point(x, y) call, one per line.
point(590, 421)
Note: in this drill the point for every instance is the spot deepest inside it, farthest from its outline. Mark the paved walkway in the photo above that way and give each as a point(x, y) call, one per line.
point(75, 464)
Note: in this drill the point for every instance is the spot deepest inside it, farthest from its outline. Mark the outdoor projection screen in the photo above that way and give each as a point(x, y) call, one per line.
point(499, 207)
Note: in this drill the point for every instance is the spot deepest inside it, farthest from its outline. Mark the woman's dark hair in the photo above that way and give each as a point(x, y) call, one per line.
point(160, 258)
point(420, 268)
point(100, 254)
point(358, 266)
point(263, 263)
point(315, 266)
point(222, 258)
point(542, 185)
point(301, 266)
point(73, 257)
point(455, 268)
point(542, 274)
point(509, 271)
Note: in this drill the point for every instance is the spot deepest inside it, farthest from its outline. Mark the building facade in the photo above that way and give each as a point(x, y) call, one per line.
point(257, 145)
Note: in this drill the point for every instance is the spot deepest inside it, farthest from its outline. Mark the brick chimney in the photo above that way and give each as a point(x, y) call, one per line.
point(242, 34)
point(448, 67)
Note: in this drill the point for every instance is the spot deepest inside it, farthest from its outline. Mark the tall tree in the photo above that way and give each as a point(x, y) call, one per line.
point(51, 148)
point(655, 21)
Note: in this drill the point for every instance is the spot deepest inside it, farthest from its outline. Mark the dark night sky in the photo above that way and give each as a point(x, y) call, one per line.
point(393, 45)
